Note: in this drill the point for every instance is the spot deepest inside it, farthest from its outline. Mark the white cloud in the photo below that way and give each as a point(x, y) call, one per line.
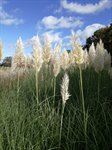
point(87, 8)
point(88, 31)
point(51, 22)
point(7, 19)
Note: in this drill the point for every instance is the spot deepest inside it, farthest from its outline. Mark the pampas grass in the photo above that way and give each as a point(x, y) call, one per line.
point(35, 113)
point(65, 96)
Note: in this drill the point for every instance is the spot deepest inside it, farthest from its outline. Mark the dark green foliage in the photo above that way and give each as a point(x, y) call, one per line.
point(105, 34)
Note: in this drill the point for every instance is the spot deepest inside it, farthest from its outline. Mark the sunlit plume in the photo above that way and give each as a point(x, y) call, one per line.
point(37, 53)
point(47, 49)
point(64, 88)
point(86, 60)
point(92, 54)
point(55, 64)
point(77, 50)
point(65, 60)
point(18, 60)
point(99, 57)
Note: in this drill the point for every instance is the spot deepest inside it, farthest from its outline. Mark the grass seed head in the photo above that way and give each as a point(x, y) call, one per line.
point(99, 57)
point(47, 49)
point(19, 60)
point(77, 50)
point(92, 54)
point(37, 53)
point(64, 88)
point(65, 60)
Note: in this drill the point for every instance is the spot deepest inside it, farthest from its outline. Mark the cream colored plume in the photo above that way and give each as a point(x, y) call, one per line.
point(77, 51)
point(99, 58)
point(86, 60)
point(37, 53)
point(74, 40)
point(19, 57)
point(47, 49)
point(55, 64)
point(92, 54)
point(64, 88)
point(65, 60)
point(57, 47)
point(107, 60)
point(71, 59)
point(29, 62)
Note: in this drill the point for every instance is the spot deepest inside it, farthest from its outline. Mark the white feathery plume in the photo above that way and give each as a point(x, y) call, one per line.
point(71, 59)
point(47, 49)
point(19, 57)
point(99, 58)
point(92, 54)
point(107, 60)
point(64, 88)
point(55, 63)
point(78, 55)
point(57, 47)
point(29, 61)
point(65, 60)
point(37, 53)
point(86, 60)
point(65, 96)
point(74, 40)
point(77, 50)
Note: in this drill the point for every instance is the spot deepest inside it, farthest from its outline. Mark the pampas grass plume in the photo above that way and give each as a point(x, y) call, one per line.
point(64, 88)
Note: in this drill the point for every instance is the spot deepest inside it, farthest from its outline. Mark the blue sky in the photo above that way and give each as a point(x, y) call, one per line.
point(27, 18)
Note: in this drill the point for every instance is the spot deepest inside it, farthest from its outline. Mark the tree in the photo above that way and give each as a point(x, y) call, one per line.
point(105, 34)
point(6, 62)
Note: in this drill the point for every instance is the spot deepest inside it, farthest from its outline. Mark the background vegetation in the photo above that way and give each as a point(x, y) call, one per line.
point(105, 34)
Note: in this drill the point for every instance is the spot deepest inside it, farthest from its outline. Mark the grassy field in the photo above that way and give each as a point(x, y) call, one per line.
point(32, 116)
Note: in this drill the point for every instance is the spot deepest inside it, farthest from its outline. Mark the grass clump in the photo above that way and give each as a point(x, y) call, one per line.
point(26, 125)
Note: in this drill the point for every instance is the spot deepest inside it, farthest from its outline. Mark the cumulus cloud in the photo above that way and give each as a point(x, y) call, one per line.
point(86, 8)
point(7, 19)
point(88, 31)
point(51, 22)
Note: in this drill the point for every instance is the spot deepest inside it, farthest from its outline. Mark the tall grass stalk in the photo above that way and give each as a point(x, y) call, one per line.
point(36, 79)
point(61, 124)
point(18, 82)
point(99, 74)
point(54, 91)
point(83, 103)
